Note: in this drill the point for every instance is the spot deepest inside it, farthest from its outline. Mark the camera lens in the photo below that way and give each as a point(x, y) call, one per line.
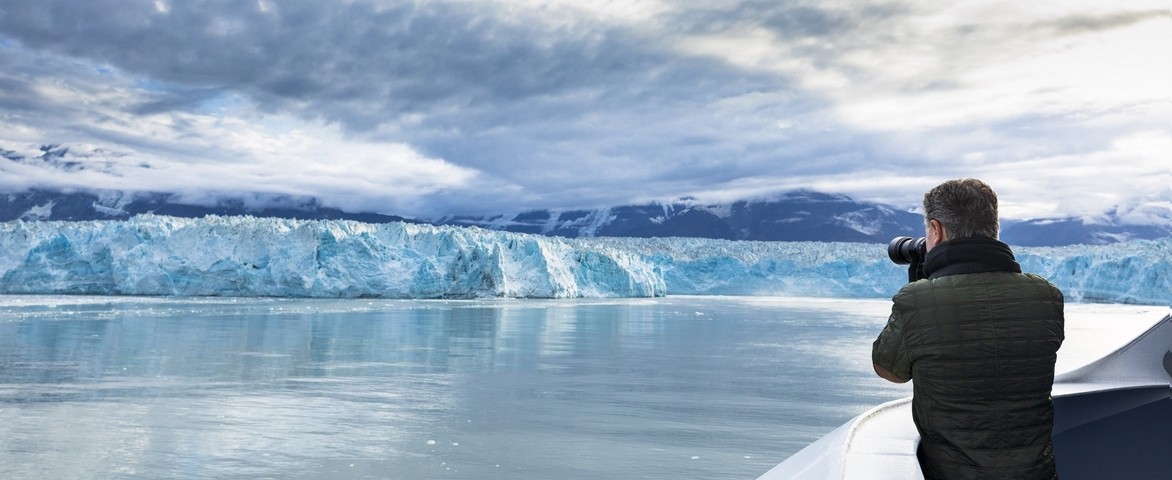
point(905, 250)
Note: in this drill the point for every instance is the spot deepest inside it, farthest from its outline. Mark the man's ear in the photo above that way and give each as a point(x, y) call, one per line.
point(936, 229)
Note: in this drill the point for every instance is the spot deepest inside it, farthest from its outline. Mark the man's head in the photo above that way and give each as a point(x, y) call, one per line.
point(960, 208)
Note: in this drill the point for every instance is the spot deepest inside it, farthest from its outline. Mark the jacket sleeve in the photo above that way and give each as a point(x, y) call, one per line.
point(888, 351)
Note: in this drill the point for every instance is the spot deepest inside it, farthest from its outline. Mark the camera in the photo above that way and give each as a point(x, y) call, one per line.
point(907, 250)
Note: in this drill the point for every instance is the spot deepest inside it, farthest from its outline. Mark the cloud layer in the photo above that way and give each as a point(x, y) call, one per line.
point(427, 107)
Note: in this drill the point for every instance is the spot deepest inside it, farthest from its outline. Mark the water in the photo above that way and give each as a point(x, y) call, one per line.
point(677, 387)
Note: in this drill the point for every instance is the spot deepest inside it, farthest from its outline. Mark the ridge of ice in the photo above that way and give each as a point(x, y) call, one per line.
point(245, 256)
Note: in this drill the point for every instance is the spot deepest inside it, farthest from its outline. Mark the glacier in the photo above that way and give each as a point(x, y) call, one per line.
point(247, 256)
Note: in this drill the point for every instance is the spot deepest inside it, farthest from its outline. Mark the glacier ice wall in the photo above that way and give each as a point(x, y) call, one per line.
point(694, 266)
point(1138, 271)
point(243, 256)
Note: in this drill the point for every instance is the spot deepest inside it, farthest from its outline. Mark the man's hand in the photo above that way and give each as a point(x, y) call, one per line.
point(915, 271)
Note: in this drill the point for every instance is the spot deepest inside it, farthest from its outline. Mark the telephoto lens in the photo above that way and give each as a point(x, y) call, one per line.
point(905, 250)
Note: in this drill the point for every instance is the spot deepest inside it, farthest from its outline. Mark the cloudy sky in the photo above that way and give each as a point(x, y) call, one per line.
point(428, 107)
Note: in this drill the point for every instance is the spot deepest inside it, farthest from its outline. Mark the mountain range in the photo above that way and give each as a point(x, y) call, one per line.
point(800, 215)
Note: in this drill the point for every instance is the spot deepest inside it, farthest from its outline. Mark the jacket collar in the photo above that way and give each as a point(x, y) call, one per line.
point(969, 255)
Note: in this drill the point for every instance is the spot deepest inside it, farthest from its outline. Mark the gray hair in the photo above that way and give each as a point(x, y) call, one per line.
point(966, 207)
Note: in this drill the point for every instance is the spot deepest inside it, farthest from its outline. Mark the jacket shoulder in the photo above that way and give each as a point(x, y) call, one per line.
point(1043, 283)
point(916, 292)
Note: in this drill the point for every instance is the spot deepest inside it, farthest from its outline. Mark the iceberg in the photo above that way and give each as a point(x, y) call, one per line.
point(247, 256)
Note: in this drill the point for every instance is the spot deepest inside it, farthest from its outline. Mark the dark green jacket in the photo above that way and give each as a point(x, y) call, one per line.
point(979, 338)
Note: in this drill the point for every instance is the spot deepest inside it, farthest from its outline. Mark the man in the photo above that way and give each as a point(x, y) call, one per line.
point(979, 337)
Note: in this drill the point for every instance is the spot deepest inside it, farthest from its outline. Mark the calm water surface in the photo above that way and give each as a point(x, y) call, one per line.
point(670, 388)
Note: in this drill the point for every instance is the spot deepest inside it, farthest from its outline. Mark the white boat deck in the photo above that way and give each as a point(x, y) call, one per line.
point(881, 443)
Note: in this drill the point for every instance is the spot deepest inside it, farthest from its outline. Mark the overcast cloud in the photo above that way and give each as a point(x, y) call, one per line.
point(464, 106)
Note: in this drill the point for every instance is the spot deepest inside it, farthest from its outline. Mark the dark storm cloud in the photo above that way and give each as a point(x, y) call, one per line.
point(16, 94)
point(352, 62)
point(500, 105)
point(1080, 24)
point(173, 99)
point(457, 81)
point(787, 19)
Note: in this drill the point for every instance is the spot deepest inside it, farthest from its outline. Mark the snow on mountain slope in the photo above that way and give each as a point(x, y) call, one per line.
point(245, 256)
point(799, 215)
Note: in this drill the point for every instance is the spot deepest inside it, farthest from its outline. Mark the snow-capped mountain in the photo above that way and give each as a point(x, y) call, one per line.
point(1075, 231)
point(814, 216)
point(113, 205)
point(1143, 218)
point(793, 216)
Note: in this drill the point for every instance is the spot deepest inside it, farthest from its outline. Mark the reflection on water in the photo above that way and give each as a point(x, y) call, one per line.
point(112, 387)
